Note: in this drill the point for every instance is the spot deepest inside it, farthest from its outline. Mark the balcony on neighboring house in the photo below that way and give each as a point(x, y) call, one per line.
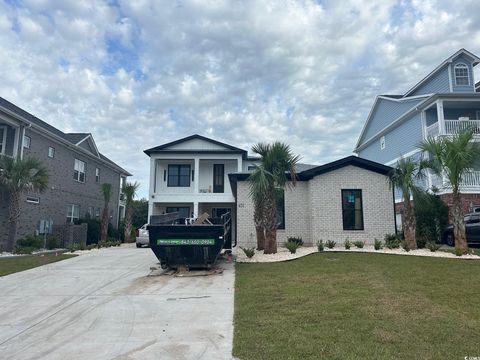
point(470, 183)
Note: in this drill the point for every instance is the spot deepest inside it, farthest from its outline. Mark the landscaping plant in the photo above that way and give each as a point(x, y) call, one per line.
point(107, 195)
point(392, 241)
point(432, 246)
point(292, 246)
point(249, 252)
point(347, 244)
point(377, 245)
point(405, 246)
point(359, 244)
point(330, 244)
point(320, 246)
point(298, 240)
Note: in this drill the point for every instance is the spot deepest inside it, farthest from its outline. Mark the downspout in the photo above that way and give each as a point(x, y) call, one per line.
point(394, 213)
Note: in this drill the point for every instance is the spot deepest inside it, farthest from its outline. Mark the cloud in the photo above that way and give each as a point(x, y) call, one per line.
point(140, 73)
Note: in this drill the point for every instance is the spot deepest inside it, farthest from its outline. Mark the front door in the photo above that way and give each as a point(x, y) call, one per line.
point(218, 178)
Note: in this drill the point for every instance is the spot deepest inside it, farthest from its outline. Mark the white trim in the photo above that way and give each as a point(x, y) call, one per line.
point(21, 144)
point(405, 99)
point(450, 81)
point(4, 140)
point(463, 65)
point(440, 117)
point(90, 137)
point(404, 156)
point(382, 142)
point(423, 118)
point(33, 200)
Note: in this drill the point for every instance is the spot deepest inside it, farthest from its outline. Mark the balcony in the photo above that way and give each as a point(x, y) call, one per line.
point(453, 127)
point(470, 183)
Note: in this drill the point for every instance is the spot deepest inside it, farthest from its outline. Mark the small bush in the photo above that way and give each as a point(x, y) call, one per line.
point(432, 246)
point(405, 246)
point(458, 252)
point(330, 244)
point(52, 242)
point(249, 252)
point(26, 250)
point(347, 244)
point(392, 241)
point(35, 242)
point(292, 246)
point(320, 246)
point(377, 245)
point(297, 240)
point(422, 242)
point(359, 244)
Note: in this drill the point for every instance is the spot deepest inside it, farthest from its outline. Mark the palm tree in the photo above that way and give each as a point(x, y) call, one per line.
point(454, 157)
point(258, 204)
point(107, 195)
point(20, 176)
point(405, 176)
point(276, 170)
point(130, 191)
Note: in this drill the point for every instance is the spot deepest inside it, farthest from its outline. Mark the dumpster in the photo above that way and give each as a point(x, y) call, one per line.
point(177, 243)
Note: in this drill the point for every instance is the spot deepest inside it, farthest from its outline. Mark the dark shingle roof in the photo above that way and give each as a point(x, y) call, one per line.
point(75, 138)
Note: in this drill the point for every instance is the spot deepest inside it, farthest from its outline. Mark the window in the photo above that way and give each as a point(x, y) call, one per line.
point(90, 211)
point(97, 212)
point(51, 152)
point(382, 143)
point(3, 139)
point(73, 213)
point(461, 75)
point(97, 175)
point(178, 176)
point(183, 212)
point(33, 200)
point(27, 141)
point(352, 210)
point(251, 167)
point(79, 171)
point(280, 203)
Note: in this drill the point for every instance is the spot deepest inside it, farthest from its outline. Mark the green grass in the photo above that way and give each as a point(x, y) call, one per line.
point(10, 265)
point(451, 249)
point(358, 306)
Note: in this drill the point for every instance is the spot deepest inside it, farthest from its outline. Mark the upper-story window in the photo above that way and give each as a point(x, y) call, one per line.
point(178, 176)
point(97, 175)
point(27, 141)
point(79, 171)
point(51, 152)
point(461, 75)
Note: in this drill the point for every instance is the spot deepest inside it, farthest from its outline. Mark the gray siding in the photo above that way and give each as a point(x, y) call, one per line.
point(437, 83)
point(385, 113)
point(399, 141)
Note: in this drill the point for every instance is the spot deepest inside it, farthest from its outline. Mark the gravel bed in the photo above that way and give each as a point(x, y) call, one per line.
point(283, 254)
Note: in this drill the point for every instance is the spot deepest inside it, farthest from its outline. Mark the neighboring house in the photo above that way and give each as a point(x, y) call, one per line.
point(76, 172)
point(196, 174)
point(441, 104)
point(346, 199)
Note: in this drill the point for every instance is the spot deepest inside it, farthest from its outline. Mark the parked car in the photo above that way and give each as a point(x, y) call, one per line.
point(142, 238)
point(472, 230)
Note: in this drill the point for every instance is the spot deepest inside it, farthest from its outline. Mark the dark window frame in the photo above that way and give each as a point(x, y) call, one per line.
point(178, 209)
point(280, 224)
point(171, 176)
point(219, 178)
point(354, 191)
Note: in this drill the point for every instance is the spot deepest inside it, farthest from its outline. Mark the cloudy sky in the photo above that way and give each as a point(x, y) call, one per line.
point(141, 73)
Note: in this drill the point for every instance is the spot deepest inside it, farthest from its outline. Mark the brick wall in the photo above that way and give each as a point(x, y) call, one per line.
point(313, 210)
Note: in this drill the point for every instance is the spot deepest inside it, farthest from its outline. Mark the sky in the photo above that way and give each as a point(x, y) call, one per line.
point(137, 74)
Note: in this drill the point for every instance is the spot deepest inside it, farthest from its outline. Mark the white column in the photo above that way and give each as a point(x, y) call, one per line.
point(150, 210)
point(424, 124)
point(153, 177)
point(441, 118)
point(195, 209)
point(239, 164)
point(196, 177)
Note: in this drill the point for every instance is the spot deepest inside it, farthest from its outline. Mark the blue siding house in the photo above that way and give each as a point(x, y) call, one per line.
point(444, 102)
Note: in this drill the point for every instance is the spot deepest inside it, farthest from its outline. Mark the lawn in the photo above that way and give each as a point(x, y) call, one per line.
point(358, 306)
point(9, 265)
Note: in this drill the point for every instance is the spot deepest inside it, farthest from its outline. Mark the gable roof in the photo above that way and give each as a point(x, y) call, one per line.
point(69, 138)
point(476, 60)
point(165, 147)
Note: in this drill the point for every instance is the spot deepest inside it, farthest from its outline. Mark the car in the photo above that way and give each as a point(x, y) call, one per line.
point(142, 238)
point(472, 230)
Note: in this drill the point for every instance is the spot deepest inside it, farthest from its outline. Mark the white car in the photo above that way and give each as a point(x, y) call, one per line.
point(142, 238)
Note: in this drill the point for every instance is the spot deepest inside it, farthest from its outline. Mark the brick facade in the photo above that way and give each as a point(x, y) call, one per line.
point(313, 209)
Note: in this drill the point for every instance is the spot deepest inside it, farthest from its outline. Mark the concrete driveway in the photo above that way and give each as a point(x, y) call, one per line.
point(103, 306)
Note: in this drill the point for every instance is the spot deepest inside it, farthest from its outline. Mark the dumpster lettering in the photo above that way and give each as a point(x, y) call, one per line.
point(181, 242)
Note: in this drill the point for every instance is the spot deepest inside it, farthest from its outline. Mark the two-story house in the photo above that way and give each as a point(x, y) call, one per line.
point(76, 172)
point(441, 104)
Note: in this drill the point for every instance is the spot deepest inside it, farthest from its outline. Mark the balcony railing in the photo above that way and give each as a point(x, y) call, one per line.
point(471, 181)
point(453, 127)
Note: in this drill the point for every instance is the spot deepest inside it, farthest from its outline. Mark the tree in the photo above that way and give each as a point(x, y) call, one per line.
point(275, 170)
point(431, 215)
point(139, 212)
point(20, 176)
point(258, 203)
point(107, 195)
point(405, 176)
point(453, 157)
point(130, 191)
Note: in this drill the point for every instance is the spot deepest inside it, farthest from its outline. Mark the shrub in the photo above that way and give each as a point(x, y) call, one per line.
point(93, 230)
point(330, 244)
point(29, 241)
point(359, 244)
point(347, 244)
point(422, 241)
point(458, 252)
point(320, 246)
point(249, 252)
point(292, 246)
point(405, 246)
point(431, 215)
point(392, 241)
point(24, 250)
point(297, 240)
point(377, 245)
point(432, 246)
point(52, 242)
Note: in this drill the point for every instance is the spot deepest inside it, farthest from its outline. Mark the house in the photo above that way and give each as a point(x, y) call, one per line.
point(347, 198)
point(76, 172)
point(441, 104)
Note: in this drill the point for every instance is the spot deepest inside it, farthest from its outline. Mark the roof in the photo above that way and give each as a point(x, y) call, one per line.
point(164, 147)
point(71, 138)
point(476, 60)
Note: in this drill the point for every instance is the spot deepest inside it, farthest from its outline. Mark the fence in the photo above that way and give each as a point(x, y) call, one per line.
point(70, 234)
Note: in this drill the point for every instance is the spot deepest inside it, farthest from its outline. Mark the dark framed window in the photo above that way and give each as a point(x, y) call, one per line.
point(280, 203)
point(352, 209)
point(178, 176)
point(183, 211)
